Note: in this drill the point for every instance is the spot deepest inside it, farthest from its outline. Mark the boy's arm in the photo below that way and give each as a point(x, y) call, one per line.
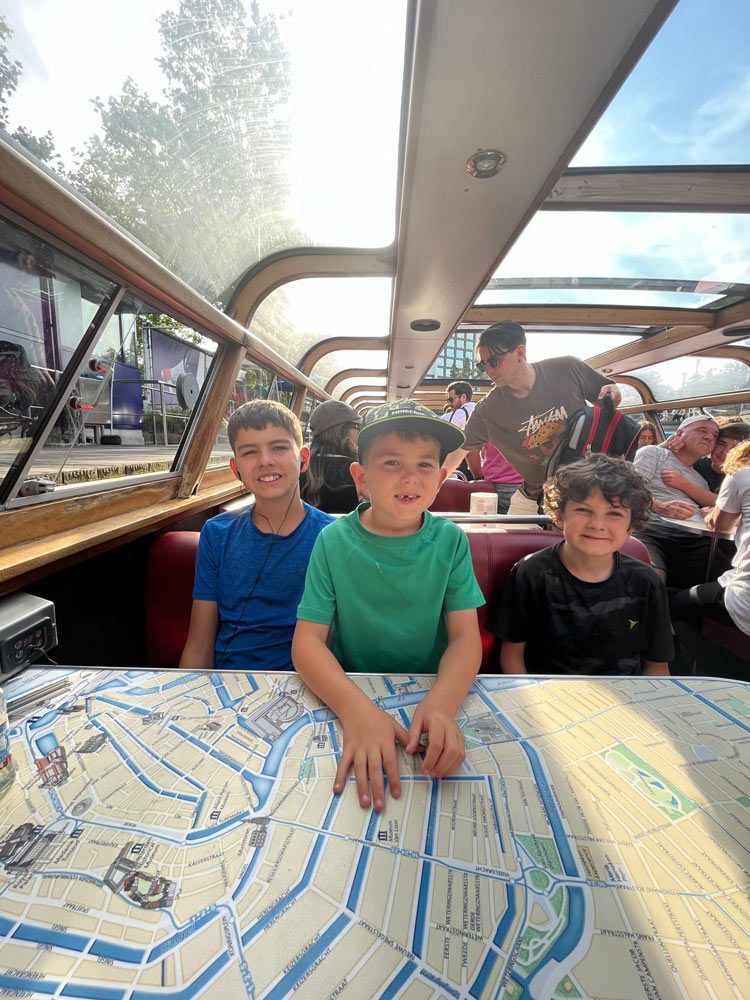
point(370, 734)
point(199, 648)
point(436, 714)
point(511, 657)
point(653, 669)
point(454, 459)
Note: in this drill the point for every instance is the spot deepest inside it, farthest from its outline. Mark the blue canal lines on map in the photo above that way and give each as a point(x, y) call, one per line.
point(237, 785)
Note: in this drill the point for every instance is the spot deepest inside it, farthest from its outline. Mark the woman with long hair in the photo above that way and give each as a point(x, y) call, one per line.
point(327, 483)
point(646, 433)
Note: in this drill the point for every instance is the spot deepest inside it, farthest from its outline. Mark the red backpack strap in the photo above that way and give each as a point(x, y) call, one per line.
point(592, 431)
point(616, 416)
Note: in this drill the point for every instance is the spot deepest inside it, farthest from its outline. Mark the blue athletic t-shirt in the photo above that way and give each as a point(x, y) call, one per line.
point(256, 580)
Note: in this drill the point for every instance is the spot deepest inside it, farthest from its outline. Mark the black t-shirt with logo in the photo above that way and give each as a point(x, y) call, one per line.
point(571, 626)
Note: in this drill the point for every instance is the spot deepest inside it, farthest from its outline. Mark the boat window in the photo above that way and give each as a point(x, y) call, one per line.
point(219, 133)
point(339, 361)
point(252, 382)
point(296, 316)
point(123, 417)
point(630, 395)
point(686, 377)
point(686, 101)
point(47, 301)
point(675, 259)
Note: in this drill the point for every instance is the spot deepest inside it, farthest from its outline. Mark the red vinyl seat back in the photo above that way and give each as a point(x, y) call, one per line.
point(170, 571)
point(494, 554)
point(455, 495)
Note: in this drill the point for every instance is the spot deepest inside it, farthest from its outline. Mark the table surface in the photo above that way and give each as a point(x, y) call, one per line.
point(697, 526)
point(174, 835)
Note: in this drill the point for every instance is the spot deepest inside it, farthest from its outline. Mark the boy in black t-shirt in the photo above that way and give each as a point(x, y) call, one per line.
point(581, 606)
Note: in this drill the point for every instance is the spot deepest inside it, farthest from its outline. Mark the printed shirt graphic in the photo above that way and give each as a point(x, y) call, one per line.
point(527, 429)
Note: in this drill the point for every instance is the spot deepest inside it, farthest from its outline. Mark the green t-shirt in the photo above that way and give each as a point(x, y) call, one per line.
point(385, 597)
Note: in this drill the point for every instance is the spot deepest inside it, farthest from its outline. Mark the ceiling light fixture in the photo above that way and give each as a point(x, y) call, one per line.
point(425, 325)
point(485, 163)
point(399, 386)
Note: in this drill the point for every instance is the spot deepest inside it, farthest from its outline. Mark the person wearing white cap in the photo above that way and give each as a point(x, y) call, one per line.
point(678, 556)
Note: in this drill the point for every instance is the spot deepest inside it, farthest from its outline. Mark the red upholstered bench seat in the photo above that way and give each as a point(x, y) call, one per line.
point(170, 571)
point(494, 554)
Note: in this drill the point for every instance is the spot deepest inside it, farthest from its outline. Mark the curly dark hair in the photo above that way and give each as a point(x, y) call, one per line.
point(615, 478)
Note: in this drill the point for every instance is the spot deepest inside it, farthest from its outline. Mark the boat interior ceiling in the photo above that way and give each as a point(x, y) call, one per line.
point(579, 167)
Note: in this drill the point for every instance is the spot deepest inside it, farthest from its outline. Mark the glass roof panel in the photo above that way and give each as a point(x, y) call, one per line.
point(688, 99)
point(676, 259)
point(212, 129)
point(681, 378)
point(339, 361)
point(349, 383)
point(298, 315)
point(581, 345)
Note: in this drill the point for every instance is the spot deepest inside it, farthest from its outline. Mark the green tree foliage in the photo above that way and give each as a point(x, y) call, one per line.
point(195, 176)
point(467, 370)
point(42, 147)
point(10, 72)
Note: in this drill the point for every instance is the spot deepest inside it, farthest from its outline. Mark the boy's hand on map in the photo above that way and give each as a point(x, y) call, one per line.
point(445, 749)
point(370, 737)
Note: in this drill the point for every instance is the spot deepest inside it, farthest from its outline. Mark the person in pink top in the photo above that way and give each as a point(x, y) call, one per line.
point(497, 469)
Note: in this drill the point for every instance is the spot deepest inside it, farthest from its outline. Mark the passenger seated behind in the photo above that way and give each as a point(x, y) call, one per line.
point(581, 606)
point(250, 568)
point(727, 599)
point(391, 589)
point(327, 483)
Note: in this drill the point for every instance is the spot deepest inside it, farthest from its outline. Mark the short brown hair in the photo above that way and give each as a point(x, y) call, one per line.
point(616, 479)
point(258, 414)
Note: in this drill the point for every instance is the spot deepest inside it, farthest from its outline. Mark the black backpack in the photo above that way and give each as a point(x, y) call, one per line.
point(598, 428)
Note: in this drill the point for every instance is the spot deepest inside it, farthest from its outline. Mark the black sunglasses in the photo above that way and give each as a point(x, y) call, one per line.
point(492, 361)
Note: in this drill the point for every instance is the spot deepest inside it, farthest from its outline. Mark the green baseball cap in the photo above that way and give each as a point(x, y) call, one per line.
point(409, 415)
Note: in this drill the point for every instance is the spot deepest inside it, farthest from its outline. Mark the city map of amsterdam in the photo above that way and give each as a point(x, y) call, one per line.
point(174, 835)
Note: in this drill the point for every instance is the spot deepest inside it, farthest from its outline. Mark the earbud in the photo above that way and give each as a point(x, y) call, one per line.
point(302, 465)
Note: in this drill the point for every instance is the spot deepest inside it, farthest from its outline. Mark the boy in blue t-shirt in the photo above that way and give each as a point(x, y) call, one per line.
point(250, 568)
point(390, 588)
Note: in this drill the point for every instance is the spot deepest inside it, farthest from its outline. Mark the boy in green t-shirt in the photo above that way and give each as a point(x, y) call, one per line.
point(391, 589)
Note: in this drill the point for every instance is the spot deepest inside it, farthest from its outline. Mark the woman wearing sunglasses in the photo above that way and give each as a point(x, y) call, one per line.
point(525, 414)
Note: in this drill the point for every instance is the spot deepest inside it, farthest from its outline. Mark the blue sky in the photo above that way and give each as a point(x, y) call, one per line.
point(688, 99)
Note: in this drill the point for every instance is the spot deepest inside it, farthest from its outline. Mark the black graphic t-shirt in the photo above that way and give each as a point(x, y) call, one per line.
point(571, 626)
point(526, 429)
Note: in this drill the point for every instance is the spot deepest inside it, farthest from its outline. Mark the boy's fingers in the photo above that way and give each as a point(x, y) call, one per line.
point(434, 750)
point(390, 763)
point(375, 766)
point(339, 782)
point(414, 734)
point(401, 734)
point(360, 775)
point(450, 756)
